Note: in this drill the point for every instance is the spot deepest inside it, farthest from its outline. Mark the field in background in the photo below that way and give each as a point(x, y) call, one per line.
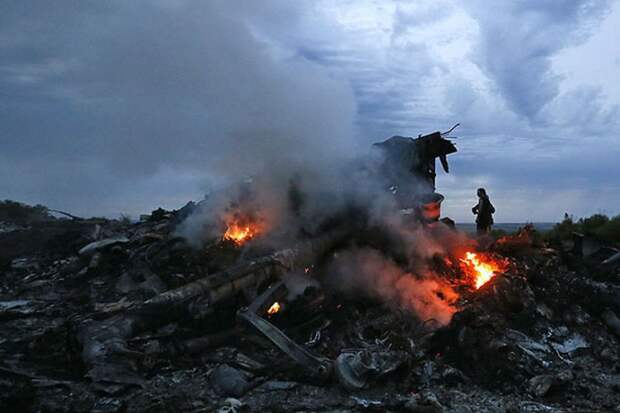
point(508, 227)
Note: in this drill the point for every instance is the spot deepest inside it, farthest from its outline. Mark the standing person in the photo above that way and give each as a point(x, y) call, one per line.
point(484, 211)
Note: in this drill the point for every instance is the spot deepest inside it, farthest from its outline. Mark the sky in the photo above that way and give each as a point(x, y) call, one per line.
point(121, 107)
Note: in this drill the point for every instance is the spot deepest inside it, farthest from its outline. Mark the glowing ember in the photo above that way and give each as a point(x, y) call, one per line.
point(275, 307)
point(481, 268)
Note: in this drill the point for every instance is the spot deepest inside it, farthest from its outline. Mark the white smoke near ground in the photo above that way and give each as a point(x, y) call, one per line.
point(424, 243)
point(367, 271)
point(291, 199)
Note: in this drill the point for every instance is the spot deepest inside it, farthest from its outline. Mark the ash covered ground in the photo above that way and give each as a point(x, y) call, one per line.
point(96, 315)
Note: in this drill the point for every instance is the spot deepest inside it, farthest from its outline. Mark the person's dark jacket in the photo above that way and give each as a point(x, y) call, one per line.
point(484, 211)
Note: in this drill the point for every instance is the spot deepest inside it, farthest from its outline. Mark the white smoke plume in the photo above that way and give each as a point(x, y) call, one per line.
point(285, 126)
point(295, 198)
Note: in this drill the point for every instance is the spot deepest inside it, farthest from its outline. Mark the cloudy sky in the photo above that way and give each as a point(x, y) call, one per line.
point(123, 106)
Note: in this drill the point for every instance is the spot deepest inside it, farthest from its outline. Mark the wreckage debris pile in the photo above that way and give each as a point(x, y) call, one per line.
point(110, 316)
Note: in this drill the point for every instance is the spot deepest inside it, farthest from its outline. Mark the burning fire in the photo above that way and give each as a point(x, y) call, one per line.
point(275, 308)
point(239, 233)
point(482, 268)
point(240, 229)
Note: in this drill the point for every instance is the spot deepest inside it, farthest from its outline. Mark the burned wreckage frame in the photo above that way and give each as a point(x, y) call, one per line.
point(112, 316)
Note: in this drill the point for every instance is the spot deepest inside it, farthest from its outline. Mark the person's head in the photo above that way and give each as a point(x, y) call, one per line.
point(481, 192)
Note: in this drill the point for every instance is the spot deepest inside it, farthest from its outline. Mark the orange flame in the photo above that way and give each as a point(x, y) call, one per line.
point(481, 268)
point(275, 308)
point(240, 229)
point(238, 234)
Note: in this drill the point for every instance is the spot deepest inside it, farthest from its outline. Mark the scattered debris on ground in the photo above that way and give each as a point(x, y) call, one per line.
point(349, 315)
point(109, 317)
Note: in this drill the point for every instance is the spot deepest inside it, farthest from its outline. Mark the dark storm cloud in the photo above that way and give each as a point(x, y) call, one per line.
point(117, 90)
point(519, 38)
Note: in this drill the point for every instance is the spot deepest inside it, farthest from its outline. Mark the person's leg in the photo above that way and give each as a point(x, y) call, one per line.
point(483, 229)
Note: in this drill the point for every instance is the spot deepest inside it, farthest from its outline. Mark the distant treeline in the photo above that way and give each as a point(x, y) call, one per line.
point(598, 225)
point(18, 213)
